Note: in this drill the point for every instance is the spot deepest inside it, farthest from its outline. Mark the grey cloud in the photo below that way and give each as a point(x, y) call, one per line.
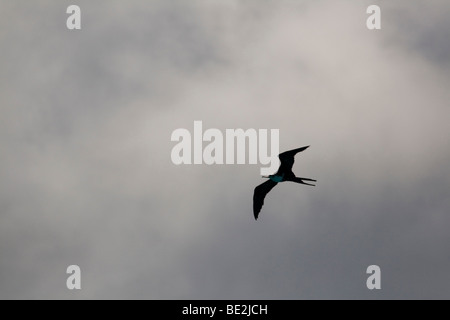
point(86, 176)
point(422, 27)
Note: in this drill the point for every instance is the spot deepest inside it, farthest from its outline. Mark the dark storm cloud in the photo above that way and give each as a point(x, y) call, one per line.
point(86, 176)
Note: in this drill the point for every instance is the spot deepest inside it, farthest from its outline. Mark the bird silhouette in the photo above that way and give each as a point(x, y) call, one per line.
point(283, 174)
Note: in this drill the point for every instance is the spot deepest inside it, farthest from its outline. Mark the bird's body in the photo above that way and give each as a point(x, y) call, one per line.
point(283, 174)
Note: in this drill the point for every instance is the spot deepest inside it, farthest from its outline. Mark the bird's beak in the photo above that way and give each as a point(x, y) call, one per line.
point(266, 177)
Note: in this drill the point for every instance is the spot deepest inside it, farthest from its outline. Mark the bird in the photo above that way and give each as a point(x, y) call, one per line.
point(283, 174)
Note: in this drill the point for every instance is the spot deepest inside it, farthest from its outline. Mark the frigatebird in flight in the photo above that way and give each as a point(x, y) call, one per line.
point(284, 173)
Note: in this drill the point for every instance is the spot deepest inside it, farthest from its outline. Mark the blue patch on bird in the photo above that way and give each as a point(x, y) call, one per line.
point(276, 178)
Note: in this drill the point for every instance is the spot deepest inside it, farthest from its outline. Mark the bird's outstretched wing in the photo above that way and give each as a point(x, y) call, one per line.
point(287, 160)
point(260, 193)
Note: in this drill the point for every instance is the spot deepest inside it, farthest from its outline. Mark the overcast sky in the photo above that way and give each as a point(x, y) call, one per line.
point(86, 176)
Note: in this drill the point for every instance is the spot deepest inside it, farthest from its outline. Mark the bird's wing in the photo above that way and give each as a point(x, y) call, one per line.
point(287, 160)
point(260, 193)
